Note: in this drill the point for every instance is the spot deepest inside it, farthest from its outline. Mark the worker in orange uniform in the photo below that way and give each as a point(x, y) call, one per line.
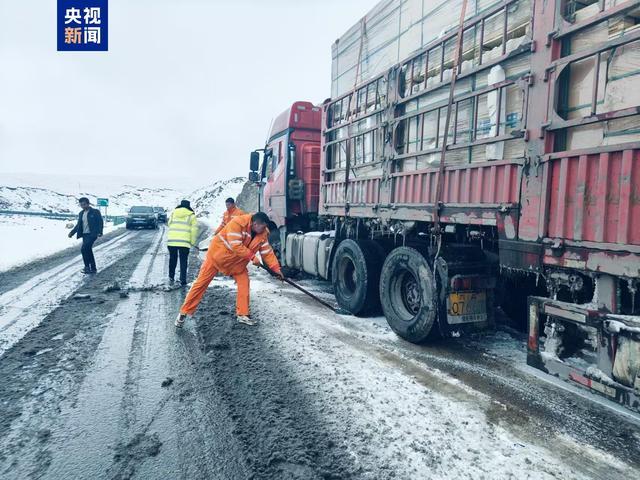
point(229, 253)
point(231, 212)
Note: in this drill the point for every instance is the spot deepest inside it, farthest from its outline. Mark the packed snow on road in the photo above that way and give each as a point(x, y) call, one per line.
point(360, 240)
point(98, 383)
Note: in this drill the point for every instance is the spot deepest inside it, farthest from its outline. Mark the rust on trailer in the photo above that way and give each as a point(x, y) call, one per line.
point(440, 179)
point(596, 197)
point(586, 201)
point(566, 28)
point(616, 263)
point(481, 183)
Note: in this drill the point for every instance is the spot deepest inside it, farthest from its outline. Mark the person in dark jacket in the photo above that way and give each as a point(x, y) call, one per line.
point(88, 228)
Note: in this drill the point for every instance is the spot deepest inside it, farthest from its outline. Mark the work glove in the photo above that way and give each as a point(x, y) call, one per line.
point(256, 261)
point(279, 275)
point(70, 234)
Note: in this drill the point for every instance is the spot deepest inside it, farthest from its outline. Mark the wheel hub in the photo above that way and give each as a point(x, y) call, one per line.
point(349, 276)
point(411, 295)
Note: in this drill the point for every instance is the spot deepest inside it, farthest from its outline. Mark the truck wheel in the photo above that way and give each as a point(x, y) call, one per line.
point(276, 244)
point(408, 294)
point(356, 274)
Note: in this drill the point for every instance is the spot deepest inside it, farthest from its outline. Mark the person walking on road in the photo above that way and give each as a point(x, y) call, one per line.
point(229, 253)
point(89, 228)
point(182, 235)
point(231, 212)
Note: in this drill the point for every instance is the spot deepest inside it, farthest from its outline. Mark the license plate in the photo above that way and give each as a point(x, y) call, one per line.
point(467, 307)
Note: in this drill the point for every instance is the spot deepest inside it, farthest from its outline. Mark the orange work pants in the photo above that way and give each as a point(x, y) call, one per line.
point(208, 270)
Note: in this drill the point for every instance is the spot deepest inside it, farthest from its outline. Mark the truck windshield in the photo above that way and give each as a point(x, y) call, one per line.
point(141, 210)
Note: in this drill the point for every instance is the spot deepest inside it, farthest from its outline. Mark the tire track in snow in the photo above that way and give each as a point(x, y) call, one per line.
point(90, 427)
point(62, 269)
point(585, 436)
point(185, 416)
point(24, 307)
point(43, 373)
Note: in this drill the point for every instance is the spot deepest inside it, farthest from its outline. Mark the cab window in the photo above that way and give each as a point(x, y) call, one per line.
point(275, 159)
point(268, 162)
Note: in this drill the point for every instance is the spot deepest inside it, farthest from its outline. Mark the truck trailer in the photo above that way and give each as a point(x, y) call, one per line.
point(496, 163)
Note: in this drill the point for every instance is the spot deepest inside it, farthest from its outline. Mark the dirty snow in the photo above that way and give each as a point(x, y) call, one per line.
point(412, 421)
point(44, 292)
point(616, 327)
point(110, 389)
point(424, 422)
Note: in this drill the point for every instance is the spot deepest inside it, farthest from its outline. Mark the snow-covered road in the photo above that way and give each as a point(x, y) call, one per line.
point(22, 308)
point(451, 410)
point(105, 387)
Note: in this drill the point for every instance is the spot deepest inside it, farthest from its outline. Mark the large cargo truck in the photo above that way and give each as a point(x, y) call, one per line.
point(498, 163)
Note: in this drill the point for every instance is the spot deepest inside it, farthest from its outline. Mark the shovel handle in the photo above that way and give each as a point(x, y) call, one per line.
point(295, 285)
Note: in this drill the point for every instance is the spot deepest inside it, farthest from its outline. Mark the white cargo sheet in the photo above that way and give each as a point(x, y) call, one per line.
point(394, 29)
point(618, 78)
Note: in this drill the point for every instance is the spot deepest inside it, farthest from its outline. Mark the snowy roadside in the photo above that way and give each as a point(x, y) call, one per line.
point(417, 421)
point(27, 238)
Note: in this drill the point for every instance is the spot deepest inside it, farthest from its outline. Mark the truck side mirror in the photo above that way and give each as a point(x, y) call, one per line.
point(254, 161)
point(254, 177)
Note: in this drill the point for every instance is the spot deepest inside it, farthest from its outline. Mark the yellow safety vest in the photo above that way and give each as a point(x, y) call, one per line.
point(183, 228)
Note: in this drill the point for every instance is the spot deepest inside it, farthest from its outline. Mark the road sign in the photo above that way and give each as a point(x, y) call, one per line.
point(102, 202)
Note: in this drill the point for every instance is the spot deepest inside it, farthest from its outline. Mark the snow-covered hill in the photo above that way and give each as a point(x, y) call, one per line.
point(58, 194)
point(208, 201)
point(25, 235)
point(100, 185)
point(32, 199)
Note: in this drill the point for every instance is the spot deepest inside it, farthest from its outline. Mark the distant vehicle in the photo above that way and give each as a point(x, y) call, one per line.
point(161, 213)
point(144, 217)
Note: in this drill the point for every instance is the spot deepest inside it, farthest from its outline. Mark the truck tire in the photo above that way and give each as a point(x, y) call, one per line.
point(276, 244)
point(408, 294)
point(356, 275)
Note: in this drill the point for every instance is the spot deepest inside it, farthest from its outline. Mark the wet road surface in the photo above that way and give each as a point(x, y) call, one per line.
point(103, 386)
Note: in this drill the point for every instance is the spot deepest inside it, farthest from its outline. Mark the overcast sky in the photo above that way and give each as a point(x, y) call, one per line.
point(188, 87)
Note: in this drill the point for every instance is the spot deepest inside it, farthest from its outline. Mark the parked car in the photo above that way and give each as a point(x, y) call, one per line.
point(161, 214)
point(141, 216)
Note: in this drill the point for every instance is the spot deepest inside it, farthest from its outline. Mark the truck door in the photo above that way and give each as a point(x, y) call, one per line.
point(274, 193)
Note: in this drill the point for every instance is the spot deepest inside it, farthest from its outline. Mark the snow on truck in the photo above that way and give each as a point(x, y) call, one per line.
point(476, 153)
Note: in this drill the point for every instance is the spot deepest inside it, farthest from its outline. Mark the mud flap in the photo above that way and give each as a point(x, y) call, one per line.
point(456, 318)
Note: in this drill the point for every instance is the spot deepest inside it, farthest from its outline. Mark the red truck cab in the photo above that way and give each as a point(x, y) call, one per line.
point(289, 174)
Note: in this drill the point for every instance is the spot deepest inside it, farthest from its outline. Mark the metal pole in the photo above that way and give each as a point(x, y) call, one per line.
point(443, 151)
point(295, 285)
point(363, 32)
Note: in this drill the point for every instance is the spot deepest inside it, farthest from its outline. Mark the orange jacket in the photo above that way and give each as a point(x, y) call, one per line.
point(227, 216)
point(234, 247)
